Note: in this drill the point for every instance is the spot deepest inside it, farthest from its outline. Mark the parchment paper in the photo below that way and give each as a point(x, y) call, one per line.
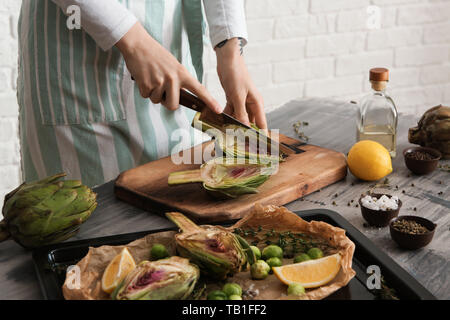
point(269, 217)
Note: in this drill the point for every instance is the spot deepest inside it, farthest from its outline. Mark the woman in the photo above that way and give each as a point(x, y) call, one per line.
point(80, 111)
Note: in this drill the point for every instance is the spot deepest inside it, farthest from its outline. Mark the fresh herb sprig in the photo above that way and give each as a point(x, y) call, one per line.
point(291, 242)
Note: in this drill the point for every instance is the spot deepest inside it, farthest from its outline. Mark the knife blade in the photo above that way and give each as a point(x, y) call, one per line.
point(219, 121)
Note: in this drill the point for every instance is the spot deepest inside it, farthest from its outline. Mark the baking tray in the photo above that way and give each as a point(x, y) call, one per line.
point(51, 262)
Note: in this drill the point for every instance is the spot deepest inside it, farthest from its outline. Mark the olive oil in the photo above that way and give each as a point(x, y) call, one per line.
point(377, 114)
point(384, 135)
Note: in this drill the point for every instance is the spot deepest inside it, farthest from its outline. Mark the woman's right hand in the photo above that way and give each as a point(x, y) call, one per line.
point(156, 71)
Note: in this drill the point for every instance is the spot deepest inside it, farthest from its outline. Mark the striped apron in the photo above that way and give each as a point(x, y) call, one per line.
point(79, 110)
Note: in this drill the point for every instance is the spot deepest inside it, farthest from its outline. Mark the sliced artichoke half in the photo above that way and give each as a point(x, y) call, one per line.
point(233, 141)
point(173, 278)
point(217, 251)
point(224, 179)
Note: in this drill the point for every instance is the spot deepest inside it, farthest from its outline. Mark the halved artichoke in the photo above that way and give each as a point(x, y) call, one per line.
point(215, 250)
point(233, 141)
point(46, 211)
point(173, 278)
point(223, 179)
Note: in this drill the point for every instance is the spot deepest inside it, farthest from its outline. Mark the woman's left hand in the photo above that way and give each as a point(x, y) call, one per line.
point(244, 102)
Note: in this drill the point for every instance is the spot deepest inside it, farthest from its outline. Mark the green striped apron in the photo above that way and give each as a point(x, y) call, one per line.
point(79, 110)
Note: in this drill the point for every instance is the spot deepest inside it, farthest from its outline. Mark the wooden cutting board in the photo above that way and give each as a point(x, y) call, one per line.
point(146, 186)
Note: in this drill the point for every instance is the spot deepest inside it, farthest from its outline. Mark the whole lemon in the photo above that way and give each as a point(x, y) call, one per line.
point(369, 160)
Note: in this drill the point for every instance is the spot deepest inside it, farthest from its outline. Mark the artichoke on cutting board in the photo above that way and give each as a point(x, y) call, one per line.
point(240, 143)
point(433, 130)
point(225, 180)
point(173, 278)
point(46, 211)
point(215, 250)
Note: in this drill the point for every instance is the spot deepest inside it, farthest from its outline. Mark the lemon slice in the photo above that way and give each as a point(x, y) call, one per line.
point(311, 273)
point(117, 269)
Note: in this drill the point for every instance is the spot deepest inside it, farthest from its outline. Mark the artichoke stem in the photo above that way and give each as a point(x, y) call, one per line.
point(182, 177)
point(182, 222)
point(4, 234)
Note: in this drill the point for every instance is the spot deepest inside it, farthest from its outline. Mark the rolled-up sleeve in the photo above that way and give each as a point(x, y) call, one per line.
point(106, 21)
point(226, 20)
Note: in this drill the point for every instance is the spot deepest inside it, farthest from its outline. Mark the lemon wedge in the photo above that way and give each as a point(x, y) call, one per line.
point(117, 269)
point(311, 273)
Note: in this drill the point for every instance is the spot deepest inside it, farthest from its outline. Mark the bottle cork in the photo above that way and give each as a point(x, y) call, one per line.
point(379, 78)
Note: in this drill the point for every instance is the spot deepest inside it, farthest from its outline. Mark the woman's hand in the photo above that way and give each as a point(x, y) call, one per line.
point(156, 71)
point(244, 102)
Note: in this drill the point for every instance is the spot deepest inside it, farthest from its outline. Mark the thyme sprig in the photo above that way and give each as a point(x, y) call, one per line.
point(385, 292)
point(291, 242)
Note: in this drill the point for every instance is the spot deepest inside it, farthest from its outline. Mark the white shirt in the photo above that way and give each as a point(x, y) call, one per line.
point(107, 21)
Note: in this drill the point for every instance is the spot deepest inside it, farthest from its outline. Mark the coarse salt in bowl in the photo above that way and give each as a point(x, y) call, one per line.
point(379, 209)
point(383, 203)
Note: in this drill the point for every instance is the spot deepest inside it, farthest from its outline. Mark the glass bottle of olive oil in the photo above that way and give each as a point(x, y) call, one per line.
point(377, 115)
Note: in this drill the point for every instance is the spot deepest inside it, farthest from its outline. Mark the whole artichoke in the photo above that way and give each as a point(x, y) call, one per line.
point(167, 279)
point(433, 130)
point(217, 251)
point(46, 211)
point(225, 180)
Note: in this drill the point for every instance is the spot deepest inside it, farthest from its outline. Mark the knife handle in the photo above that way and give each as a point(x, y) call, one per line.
point(190, 101)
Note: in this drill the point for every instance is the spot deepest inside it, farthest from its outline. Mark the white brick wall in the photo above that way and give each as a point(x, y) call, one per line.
point(9, 144)
point(304, 48)
point(298, 48)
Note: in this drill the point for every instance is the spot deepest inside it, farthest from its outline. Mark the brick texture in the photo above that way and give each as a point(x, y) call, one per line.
point(9, 144)
point(325, 48)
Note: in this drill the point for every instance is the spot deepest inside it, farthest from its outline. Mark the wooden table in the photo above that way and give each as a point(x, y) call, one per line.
point(331, 125)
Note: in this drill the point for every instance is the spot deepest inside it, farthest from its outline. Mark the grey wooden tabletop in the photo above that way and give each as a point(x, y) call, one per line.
point(331, 125)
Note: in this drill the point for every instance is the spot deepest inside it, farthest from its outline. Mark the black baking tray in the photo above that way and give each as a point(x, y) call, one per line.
point(51, 262)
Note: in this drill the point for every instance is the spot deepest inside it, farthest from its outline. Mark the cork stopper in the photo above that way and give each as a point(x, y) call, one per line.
point(379, 78)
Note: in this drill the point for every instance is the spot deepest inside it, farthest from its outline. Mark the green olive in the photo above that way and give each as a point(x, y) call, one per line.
point(259, 270)
point(235, 297)
point(274, 262)
point(217, 295)
point(301, 257)
point(295, 289)
point(315, 253)
point(272, 251)
point(232, 289)
point(256, 251)
point(158, 251)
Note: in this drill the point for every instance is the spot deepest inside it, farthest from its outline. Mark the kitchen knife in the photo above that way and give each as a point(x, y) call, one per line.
point(191, 101)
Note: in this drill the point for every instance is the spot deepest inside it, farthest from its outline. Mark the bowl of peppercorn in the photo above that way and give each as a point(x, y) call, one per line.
point(412, 232)
point(421, 160)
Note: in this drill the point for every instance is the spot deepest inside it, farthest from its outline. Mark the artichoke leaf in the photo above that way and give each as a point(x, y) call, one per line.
point(251, 258)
